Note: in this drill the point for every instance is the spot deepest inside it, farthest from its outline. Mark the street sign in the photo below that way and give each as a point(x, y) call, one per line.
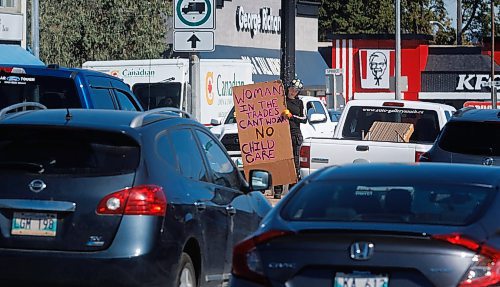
point(194, 41)
point(334, 71)
point(194, 14)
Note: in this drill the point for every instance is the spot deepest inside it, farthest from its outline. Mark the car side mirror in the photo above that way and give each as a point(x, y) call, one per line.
point(215, 122)
point(317, 118)
point(260, 180)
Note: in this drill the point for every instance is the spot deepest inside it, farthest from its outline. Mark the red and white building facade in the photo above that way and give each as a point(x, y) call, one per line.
point(445, 74)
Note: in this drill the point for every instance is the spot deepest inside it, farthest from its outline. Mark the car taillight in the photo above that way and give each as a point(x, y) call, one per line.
point(305, 156)
point(246, 260)
point(393, 104)
point(139, 200)
point(14, 70)
point(422, 157)
point(485, 268)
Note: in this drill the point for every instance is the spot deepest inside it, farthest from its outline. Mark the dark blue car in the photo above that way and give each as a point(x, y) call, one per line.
point(119, 198)
point(57, 87)
point(379, 225)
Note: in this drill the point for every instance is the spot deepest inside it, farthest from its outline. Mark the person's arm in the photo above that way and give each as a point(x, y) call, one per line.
point(300, 118)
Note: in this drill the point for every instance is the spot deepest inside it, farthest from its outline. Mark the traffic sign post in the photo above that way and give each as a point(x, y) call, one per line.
point(194, 25)
point(194, 41)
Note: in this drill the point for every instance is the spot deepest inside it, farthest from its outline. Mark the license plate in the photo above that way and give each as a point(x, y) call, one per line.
point(34, 224)
point(363, 280)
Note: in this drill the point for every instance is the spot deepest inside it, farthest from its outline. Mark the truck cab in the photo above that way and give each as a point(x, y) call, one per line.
point(194, 7)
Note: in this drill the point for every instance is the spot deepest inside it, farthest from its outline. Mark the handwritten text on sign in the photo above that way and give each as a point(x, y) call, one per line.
point(258, 112)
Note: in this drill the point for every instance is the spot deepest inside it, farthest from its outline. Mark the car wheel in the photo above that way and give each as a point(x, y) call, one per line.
point(186, 276)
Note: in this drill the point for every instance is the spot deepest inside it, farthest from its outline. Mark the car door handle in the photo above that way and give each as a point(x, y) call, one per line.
point(230, 210)
point(200, 205)
point(362, 148)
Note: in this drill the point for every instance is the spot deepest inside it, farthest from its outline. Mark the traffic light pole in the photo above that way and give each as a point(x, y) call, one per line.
point(287, 65)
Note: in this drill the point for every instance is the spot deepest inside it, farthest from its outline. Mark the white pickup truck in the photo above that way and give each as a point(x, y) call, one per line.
point(318, 125)
point(351, 142)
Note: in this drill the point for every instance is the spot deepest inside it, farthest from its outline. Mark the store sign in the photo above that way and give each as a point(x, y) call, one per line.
point(11, 27)
point(375, 68)
point(262, 22)
point(473, 82)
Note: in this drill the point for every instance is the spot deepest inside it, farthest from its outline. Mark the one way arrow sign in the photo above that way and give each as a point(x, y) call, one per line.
point(194, 41)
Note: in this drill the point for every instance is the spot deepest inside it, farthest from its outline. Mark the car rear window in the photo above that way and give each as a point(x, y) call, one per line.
point(53, 92)
point(360, 119)
point(477, 138)
point(67, 151)
point(437, 204)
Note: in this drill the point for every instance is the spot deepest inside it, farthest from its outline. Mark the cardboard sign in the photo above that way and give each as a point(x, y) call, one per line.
point(264, 133)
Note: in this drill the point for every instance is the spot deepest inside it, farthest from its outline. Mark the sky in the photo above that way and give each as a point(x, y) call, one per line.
point(451, 7)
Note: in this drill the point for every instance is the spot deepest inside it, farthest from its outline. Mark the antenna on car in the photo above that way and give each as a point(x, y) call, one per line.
point(68, 114)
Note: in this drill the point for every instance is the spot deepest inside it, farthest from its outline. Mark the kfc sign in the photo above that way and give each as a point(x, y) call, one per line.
point(473, 82)
point(375, 68)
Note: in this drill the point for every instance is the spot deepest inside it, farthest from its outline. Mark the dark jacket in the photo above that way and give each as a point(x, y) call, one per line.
point(296, 108)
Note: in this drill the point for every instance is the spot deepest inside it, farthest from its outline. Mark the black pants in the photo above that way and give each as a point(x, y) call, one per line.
point(297, 141)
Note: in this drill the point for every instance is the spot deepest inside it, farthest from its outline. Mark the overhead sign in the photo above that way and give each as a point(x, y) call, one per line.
point(194, 41)
point(194, 14)
point(263, 132)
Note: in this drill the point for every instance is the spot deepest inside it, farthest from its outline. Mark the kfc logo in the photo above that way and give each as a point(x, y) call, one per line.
point(374, 68)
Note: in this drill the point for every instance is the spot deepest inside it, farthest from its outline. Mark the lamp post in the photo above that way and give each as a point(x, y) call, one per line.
point(35, 29)
point(398, 51)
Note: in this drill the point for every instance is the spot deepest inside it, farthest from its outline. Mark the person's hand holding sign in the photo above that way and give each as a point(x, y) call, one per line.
point(286, 113)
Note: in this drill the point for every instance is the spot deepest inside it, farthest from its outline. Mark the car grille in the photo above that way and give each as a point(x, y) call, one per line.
point(231, 142)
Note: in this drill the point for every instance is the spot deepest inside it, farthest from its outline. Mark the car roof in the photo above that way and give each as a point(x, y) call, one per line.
point(432, 173)
point(110, 120)
point(472, 114)
point(57, 71)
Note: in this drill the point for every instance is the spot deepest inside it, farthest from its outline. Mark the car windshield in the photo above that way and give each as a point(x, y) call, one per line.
point(334, 115)
point(477, 138)
point(360, 119)
point(53, 92)
point(231, 119)
point(443, 204)
point(158, 95)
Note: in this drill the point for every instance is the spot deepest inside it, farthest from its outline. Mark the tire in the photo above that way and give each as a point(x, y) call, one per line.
point(186, 275)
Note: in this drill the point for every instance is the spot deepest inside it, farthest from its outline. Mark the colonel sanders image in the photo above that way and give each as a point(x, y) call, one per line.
point(378, 65)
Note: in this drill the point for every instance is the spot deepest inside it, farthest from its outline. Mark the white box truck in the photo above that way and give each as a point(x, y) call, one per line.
point(165, 83)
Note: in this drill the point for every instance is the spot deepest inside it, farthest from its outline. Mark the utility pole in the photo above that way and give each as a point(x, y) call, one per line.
point(287, 65)
point(493, 87)
point(459, 22)
point(35, 29)
point(398, 51)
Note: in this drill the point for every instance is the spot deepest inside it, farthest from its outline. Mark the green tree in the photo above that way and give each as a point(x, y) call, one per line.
point(378, 16)
point(476, 19)
point(75, 31)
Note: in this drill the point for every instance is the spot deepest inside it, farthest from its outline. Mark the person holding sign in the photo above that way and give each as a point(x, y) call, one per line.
point(295, 115)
